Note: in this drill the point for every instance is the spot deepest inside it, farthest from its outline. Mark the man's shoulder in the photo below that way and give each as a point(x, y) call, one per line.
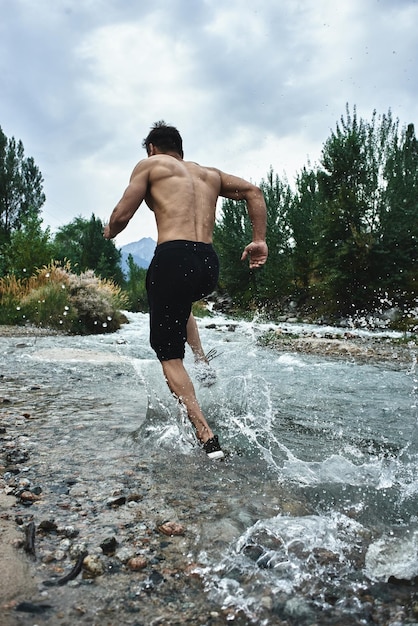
point(205, 168)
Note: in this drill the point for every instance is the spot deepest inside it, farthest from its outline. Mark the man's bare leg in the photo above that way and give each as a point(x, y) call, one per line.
point(182, 387)
point(193, 339)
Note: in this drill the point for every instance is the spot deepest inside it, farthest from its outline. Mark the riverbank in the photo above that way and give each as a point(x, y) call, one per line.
point(359, 348)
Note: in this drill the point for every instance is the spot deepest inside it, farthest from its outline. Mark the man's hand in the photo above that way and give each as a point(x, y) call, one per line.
point(106, 232)
point(257, 251)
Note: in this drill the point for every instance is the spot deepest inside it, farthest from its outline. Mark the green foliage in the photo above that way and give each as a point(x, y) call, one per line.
point(346, 238)
point(396, 263)
point(29, 248)
point(48, 306)
point(302, 217)
point(56, 298)
point(346, 187)
point(200, 309)
point(135, 288)
point(233, 232)
point(81, 242)
point(21, 191)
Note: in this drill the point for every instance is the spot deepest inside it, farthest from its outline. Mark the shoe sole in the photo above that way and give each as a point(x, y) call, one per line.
point(218, 454)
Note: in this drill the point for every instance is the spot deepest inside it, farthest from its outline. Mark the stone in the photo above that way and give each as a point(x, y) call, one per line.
point(137, 563)
point(171, 529)
point(92, 566)
point(115, 502)
point(28, 496)
point(109, 546)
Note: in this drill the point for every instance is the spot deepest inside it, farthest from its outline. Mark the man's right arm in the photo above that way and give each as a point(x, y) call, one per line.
point(236, 188)
point(129, 203)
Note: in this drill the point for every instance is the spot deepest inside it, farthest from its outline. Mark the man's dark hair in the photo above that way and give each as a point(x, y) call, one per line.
point(165, 138)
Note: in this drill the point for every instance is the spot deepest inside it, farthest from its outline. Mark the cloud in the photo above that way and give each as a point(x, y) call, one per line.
point(249, 85)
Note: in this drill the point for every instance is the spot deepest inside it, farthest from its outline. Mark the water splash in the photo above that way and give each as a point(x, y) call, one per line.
point(284, 555)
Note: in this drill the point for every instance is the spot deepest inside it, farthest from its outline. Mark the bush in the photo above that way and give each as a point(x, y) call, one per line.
point(97, 302)
point(56, 298)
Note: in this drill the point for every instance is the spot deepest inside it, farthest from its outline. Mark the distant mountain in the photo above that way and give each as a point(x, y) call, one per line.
point(142, 252)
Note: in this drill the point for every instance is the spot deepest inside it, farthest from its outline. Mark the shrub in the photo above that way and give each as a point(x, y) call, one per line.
point(56, 298)
point(97, 302)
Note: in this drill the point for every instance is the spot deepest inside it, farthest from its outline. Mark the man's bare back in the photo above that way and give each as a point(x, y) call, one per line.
point(183, 196)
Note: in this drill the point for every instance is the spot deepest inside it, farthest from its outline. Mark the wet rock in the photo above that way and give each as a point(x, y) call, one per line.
point(154, 579)
point(253, 552)
point(92, 566)
point(48, 526)
point(78, 490)
point(27, 497)
point(59, 555)
point(17, 456)
point(134, 497)
point(124, 554)
point(31, 607)
point(116, 501)
point(171, 529)
point(68, 531)
point(109, 546)
point(137, 563)
point(78, 549)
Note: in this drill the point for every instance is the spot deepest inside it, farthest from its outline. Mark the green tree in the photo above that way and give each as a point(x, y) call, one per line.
point(302, 218)
point(21, 191)
point(135, 287)
point(29, 248)
point(233, 232)
point(274, 281)
point(82, 243)
point(348, 218)
point(397, 253)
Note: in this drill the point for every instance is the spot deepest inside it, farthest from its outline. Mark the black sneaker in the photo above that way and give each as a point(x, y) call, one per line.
point(213, 449)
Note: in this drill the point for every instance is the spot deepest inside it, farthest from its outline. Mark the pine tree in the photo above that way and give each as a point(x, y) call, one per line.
point(21, 190)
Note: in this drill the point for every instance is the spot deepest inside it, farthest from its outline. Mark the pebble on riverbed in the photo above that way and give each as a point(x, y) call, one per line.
point(93, 566)
point(137, 563)
point(171, 529)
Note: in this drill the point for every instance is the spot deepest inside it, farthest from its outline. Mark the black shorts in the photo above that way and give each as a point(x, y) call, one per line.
point(180, 273)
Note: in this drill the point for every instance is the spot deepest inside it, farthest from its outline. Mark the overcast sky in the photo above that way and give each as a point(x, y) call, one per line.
point(249, 85)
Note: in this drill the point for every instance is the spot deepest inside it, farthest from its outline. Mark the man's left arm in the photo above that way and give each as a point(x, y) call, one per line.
point(129, 203)
point(240, 189)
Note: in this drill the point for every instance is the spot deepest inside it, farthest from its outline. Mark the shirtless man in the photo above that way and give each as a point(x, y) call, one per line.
point(185, 267)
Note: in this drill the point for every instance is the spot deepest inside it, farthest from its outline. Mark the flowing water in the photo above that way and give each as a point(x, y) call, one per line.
point(311, 519)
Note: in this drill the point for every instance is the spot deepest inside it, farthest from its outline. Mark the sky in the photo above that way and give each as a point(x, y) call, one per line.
point(250, 86)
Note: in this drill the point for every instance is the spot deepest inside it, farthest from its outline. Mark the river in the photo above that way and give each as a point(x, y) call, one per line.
point(311, 519)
